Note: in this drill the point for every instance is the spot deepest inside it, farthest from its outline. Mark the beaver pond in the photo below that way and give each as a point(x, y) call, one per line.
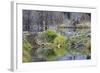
point(56, 36)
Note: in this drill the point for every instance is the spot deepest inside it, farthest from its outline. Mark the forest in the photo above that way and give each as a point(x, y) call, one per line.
point(56, 36)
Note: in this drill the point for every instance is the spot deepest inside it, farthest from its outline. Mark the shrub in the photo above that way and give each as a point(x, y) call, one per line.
point(79, 44)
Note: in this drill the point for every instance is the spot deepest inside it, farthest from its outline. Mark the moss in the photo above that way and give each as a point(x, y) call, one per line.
point(61, 45)
point(49, 35)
